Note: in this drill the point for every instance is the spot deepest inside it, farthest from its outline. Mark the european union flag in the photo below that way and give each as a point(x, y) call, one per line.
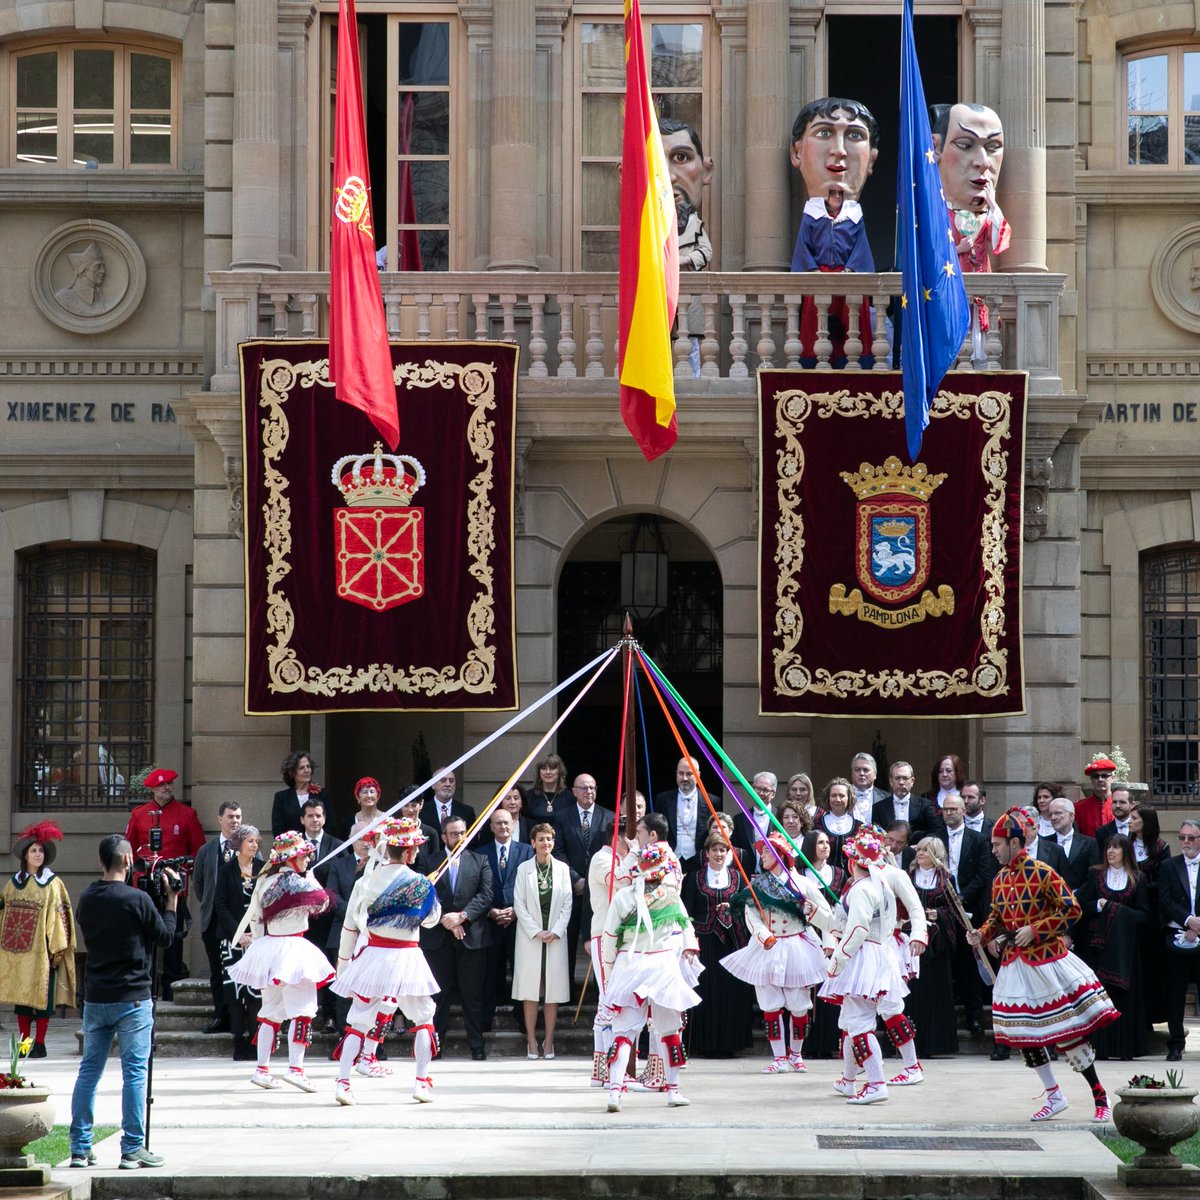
point(935, 312)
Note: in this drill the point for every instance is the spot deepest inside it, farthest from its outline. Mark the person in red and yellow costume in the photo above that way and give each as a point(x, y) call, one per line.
point(1044, 996)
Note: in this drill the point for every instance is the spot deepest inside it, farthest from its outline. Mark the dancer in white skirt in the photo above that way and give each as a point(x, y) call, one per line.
point(1044, 995)
point(784, 959)
point(647, 936)
point(280, 962)
point(608, 868)
point(380, 964)
point(863, 968)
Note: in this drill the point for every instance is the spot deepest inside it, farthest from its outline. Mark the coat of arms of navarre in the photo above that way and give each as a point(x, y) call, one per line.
point(892, 545)
point(378, 536)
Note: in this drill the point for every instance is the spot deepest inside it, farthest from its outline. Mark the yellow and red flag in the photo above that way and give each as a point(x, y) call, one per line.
point(648, 265)
point(360, 360)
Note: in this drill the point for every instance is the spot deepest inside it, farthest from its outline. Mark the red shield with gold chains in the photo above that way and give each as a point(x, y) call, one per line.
point(380, 555)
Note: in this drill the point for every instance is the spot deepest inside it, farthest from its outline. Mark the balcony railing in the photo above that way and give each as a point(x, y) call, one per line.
point(566, 323)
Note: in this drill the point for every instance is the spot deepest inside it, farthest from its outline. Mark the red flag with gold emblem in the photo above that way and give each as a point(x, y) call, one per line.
point(360, 360)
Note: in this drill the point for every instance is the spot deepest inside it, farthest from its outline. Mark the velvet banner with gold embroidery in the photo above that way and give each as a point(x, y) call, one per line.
point(888, 588)
point(378, 581)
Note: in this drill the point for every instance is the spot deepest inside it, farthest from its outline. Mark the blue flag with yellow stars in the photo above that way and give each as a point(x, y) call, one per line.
point(935, 312)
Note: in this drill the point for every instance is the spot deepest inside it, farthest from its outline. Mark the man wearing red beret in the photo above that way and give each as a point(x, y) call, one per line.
point(1089, 811)
point(182, 836)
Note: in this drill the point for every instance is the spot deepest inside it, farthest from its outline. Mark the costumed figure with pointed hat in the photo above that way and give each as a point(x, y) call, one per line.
point(380, 964)
point(37, 936)
point(1044, 996)
point(863, 970)
point(784, 958)
point(281, 962)
point(646, 942)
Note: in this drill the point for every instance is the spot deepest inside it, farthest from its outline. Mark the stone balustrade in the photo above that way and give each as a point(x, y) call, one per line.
point(566, 323)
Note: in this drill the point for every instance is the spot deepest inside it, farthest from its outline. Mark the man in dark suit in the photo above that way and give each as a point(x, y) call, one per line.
point(864, 794)
point(336, 877)
point(972, 868)
point(898, 833)
point(582, 828)
point(456, 948)
point(902, 805)
point(442, 804)
point(1179, 904)
point(503, 856)
point(749, 831)
point(686, 813)
point(209, 858)
point(1080, 850)
point(297, 772)
point(1122, 806)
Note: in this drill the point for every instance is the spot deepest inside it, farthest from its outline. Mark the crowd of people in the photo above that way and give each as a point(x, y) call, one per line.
point(840, 919)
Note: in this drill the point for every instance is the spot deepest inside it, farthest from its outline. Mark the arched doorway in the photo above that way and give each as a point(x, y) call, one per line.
point(685, 637)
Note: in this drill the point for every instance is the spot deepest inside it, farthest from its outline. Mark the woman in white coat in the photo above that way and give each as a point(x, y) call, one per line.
point(542, 904)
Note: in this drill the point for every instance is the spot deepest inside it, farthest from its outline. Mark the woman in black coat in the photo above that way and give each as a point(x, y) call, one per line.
point(549, 793)
point(235, 886)
point(930, 1001)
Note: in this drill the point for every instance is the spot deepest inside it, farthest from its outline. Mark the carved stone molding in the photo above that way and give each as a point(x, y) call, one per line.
point(1039, 476)
point(521, 459)
point(751, 445)
point(1175, 278)
point(220, 416)
point(88, 277)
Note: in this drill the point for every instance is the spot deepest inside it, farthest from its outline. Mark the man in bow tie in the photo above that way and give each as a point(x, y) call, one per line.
point(209, 858)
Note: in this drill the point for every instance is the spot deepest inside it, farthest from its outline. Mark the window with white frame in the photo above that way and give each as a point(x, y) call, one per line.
point(93, 104)
point(1162, 107)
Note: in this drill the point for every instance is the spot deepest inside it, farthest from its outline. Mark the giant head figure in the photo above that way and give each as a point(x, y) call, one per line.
point(970, 143)
point(834, 148)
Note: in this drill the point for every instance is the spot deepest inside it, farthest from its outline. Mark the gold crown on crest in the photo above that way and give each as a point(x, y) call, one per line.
point(386, 480)
point(893, 478)
point(895, 528)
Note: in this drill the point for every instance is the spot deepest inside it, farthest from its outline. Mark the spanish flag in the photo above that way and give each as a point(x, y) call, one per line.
point(360, 360)
point(649, 261)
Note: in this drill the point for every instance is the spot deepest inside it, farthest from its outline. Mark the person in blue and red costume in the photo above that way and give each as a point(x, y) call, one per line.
point(1044, 996)
point(281, 962)
point(380, 964)
point(834, 147)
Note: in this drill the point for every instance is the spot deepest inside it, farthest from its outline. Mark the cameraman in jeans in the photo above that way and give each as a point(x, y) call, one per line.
point(120, 925)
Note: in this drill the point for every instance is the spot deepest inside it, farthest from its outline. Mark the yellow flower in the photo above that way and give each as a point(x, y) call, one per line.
point(25, 1047)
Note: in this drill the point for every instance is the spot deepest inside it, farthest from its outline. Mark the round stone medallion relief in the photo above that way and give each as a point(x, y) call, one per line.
point(88, 276)
point(1175, 278)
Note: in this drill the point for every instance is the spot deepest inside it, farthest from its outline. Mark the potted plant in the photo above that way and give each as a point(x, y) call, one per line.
point(26, 1112)
point(1157, 1114)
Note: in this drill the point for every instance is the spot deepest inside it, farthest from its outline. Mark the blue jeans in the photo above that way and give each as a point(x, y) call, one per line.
point(133, 1022)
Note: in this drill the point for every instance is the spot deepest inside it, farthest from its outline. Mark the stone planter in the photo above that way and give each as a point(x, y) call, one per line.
point(26, 1114)
point(1157, 1119)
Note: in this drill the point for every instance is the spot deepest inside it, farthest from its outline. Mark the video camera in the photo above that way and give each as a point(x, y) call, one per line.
point(157, 876)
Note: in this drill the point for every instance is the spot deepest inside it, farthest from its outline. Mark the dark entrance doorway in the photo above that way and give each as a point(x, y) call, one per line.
point(685, 639)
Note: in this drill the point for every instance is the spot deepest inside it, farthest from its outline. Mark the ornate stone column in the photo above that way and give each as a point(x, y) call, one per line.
point(768, 245)
point(1023, 111)
point(513, 155)
point(255, 136)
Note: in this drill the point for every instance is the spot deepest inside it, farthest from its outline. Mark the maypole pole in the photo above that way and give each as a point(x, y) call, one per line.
point(628, 666)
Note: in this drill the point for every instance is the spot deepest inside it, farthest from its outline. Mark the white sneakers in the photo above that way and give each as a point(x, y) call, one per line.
point(845, 1087)
point(343, 1093)
point(872, 1093)
point(614, 1099)
point(423, 1090)
point(908, 1077)
point(676, 1099)
point(1055, 1103)
point(297, 1078)
point(264, 1079)
point(796, 1061)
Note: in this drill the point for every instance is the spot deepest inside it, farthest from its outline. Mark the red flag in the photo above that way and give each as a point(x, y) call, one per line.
point(360, 361)
point(648, 262)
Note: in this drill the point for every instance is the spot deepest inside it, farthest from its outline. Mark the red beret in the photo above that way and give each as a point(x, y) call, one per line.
point(1100, 763)
point(159, 777)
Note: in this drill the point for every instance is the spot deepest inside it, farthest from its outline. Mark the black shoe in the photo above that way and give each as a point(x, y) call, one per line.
point(975, 1029)
point(327, 1025)
point(381, 1053)
point(478, 1055)
point(1001, 1053)
point(38, 1051)
point(1172, 1056)
point(217, 1025)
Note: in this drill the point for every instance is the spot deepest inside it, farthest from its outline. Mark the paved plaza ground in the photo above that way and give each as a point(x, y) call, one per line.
point(520, 1121)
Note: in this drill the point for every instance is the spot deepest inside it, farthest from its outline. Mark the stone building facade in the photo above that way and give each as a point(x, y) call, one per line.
point(165, 185)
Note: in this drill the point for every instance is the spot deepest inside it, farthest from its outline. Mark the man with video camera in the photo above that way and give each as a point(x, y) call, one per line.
point(121, 926)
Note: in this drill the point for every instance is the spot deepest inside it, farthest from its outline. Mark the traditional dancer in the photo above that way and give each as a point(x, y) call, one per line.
point(784, 959)
point(389, 906)
point(37, 936)
point(280, 961)
point(607, 869)
point(1044, 995)
point(863, 970)
point(908, 946)
point(647, 935)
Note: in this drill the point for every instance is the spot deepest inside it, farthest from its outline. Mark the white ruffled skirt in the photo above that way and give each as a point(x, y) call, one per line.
point(654, 975)
point(281, 960)
point(1047, 1004)
point(870, 974)
point(908, 966)
point(795, 961)
point(384, 971)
